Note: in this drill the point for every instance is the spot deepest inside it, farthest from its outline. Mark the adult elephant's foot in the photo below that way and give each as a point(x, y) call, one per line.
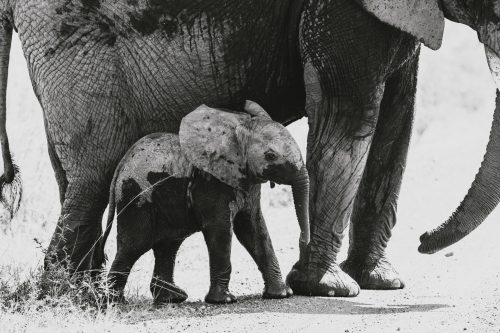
point(378, 274)
point(219, 295)
point(312, 281)
point(277, 290)
point(166, 293)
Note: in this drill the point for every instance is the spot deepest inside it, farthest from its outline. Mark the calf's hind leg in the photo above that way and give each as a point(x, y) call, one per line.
point(134, 238)
point(162, 285)
point(120, 270)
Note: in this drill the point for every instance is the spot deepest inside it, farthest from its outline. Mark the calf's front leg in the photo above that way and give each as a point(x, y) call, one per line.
point(218, 239)
point(250, 229)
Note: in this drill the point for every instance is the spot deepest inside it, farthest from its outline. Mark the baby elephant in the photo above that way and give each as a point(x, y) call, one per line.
point(205, 179)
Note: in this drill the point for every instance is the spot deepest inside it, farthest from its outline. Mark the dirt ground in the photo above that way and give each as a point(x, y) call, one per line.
point(454, 290)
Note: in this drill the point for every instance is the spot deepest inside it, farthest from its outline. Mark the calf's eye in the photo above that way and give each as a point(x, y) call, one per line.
point(270, 156)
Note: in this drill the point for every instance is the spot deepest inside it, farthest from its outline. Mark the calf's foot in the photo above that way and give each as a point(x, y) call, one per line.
point(277, 290)
point(307, 280)
point(164, 293)
point(375, 274)
point(219, 295)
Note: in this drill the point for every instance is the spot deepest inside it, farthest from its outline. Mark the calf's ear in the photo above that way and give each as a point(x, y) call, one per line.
point(422, 19)
point(255, 109)
point(208, 139)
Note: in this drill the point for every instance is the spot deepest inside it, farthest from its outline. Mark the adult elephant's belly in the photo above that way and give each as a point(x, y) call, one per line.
point(170, 75)
point(142, 69)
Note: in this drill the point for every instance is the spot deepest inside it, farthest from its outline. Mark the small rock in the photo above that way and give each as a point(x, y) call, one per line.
point(449, 254)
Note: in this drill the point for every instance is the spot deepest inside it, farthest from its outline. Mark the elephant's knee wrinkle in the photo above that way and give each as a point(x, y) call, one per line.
point(351, 121)
point(362, 125)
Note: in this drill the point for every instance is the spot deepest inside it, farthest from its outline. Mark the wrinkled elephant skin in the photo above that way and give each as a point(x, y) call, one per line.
point(109, 72)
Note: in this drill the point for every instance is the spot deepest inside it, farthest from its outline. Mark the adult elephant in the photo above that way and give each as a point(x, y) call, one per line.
point(108, 72)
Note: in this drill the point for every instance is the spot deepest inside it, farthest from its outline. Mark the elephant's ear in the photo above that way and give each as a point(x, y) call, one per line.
point(423, 19)
point(208, 139)
point(488, 32)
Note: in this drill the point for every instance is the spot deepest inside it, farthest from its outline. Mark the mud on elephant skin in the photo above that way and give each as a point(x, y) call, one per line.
point(207, 179)
point(108, 73)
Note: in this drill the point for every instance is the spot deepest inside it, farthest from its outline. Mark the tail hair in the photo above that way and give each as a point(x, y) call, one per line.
point(99, 257)
point(11, 192)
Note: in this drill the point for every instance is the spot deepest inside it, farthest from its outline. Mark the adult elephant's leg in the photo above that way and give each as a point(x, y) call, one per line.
point(347, 55)
point(340, 133)
point(84, 159)
point(374, 213)
point(79, 225)
point(61, 179)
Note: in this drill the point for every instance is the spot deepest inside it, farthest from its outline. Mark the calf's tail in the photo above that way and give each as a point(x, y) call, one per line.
point(99, 254)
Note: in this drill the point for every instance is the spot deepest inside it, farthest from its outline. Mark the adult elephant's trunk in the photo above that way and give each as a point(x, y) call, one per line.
point(300, 190)
point(484, 193)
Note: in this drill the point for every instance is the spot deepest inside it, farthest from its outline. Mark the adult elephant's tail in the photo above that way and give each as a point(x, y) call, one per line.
point(10, 181)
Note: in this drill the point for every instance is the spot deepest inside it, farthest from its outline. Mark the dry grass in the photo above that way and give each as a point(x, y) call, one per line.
point(455, 104)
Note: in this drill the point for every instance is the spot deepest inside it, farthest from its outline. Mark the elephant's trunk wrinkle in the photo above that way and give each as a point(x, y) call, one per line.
point(482, 197)
point(300, 191)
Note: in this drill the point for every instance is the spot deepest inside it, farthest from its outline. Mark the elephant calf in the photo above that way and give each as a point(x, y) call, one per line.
point(207, 179)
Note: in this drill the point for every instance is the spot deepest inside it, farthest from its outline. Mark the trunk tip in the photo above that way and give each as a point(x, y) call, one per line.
point(305, 238)
point(431, 242)
point(424, 245)
point(425, 249)
point(443, 236)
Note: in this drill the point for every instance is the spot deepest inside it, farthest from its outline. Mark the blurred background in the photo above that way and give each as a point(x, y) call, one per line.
point(455, 104)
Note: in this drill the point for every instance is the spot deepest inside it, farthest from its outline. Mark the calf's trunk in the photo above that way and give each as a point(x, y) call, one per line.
point(300, 191)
